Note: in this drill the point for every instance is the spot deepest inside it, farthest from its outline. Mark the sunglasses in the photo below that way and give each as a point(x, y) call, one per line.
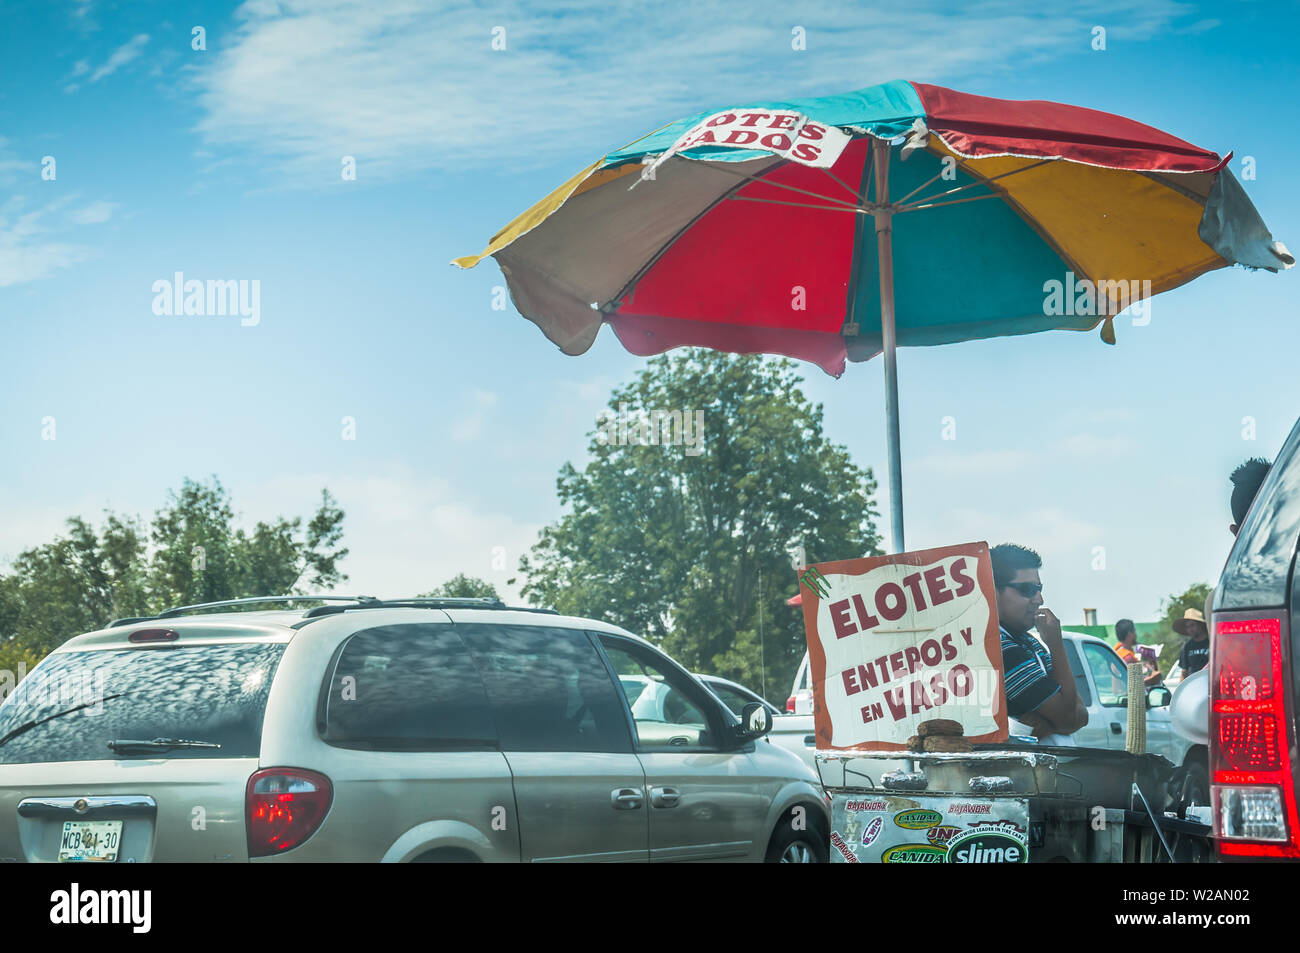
point(1026, 589)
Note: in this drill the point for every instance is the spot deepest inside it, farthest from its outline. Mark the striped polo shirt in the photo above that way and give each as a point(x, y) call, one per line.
point(1027, 672)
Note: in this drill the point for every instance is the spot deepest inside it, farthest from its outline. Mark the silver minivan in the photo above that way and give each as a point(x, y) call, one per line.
point(367, 730)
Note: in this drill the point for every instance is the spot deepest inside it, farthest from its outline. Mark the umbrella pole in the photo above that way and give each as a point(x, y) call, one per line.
point(885, 247)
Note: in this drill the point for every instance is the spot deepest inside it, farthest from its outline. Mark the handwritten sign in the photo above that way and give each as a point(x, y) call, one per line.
point(894, 641)
point(790, 135)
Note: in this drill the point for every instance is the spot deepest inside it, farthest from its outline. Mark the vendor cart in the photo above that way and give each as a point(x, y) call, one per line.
point(1006, 803)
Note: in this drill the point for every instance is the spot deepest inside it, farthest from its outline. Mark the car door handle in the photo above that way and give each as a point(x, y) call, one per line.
point(664, 797)
point(810, 740)
point(1115, 729)
point(626, 799)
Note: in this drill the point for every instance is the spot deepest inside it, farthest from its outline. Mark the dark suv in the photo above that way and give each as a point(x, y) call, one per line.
point(1254, 674)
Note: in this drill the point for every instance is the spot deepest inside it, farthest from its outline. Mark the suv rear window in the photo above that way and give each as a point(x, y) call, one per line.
point(212, 693)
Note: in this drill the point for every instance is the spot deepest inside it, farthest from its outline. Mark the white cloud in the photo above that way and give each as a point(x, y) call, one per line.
point(124, 54)
point(594, 390)
point(1050, 530)
point(1110, 415)
point(28, 249)
point(11, 168)
point(1096, 448)
point(975, 462)
point(406, 533)
point(93, 214)
point(404, 86)
point(28, 524)
point(32, 246)
point(469, 424)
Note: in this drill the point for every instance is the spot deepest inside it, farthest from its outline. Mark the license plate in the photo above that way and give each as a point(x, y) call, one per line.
point(90, 841)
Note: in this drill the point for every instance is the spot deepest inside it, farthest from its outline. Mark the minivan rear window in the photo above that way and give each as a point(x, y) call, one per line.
point(74, 703)
point(406, 688)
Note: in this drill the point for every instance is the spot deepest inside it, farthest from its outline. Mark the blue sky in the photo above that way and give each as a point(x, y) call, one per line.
point(225, 163)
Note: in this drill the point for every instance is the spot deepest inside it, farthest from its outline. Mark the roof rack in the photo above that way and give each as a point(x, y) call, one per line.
point(422, 602)
point(176, 611)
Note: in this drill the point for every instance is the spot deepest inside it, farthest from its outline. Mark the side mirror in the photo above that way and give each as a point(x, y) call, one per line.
point(1158, 697)
point(755, 721)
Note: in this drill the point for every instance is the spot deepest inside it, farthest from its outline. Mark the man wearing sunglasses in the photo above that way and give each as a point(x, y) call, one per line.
point(1040, 688)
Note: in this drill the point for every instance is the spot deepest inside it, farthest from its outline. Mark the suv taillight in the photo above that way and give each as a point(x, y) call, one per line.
point(1250, 762)
point(284, 807)
point(789, 704)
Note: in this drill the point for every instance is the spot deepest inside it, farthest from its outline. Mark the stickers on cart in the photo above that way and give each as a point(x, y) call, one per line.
point(918, 819)
point(942, 833)
point(913, 854)
point(997, 843)
point(897, 641)
point(845, 853)
point(930, 829)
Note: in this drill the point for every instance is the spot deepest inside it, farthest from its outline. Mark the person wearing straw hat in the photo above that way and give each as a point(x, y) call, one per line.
point(1196, 650)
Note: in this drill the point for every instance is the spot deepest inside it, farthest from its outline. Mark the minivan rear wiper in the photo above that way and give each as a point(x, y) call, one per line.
point(28, 726)
point(123, 745)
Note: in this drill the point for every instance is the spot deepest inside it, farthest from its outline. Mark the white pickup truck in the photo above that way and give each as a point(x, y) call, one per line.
point(1102, 682)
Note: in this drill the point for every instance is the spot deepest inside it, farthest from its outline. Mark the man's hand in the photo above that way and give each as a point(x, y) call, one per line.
point(1048, 625)
point(1037, 724)
point(1064, 712)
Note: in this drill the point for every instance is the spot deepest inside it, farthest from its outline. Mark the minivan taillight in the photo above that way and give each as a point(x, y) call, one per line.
point(284, 807)
point(1250, 762)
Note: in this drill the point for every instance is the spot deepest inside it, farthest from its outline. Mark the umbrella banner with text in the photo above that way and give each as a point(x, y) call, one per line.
point(895, 641)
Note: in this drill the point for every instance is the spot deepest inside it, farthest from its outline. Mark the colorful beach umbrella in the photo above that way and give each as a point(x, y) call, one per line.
point(838, 227)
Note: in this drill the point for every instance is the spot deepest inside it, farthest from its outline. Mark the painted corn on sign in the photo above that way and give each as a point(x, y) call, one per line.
point(871, 828)
point(898, 641)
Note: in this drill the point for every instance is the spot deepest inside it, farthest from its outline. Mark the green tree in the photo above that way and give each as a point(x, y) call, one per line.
point(461, 586)
point(194, 547)
point(191, 553)
point(16, 660)
point(199, 555)
point(1173, 608)
point(671, 542)
point(73, 584)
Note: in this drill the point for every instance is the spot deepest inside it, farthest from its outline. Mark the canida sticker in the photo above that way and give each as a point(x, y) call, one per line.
point(873, 829)
point(914, 854)
point(917, 819)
